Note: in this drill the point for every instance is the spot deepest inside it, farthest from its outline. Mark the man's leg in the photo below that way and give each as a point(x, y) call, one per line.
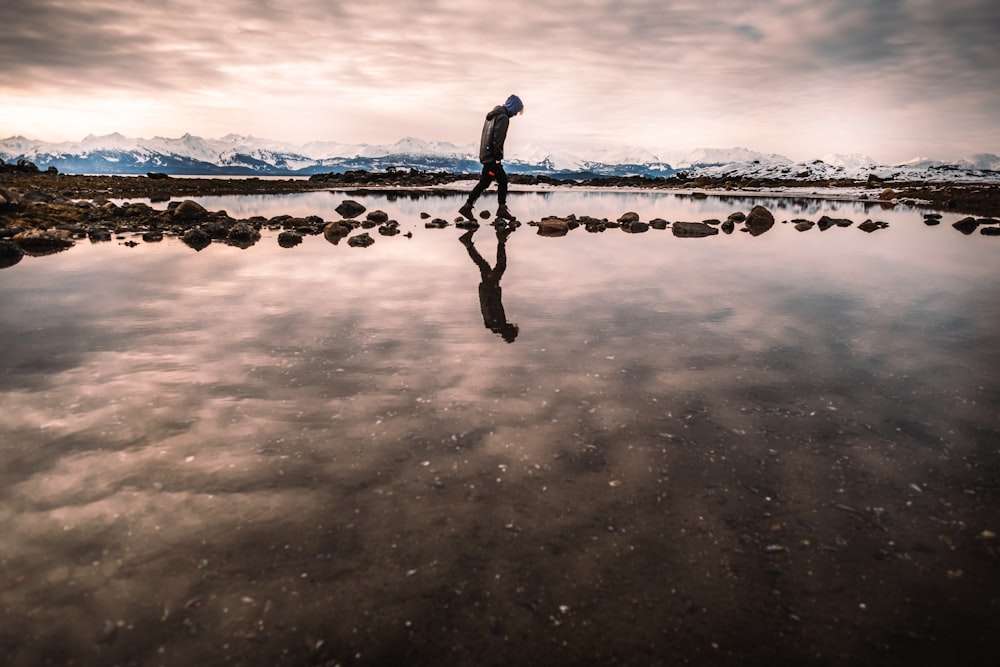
point(489, 172)
point(502, 211)
point(501, 177)
point(484, 181)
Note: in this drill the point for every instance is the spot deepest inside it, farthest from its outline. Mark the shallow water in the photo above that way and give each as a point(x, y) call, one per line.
point(726, 450)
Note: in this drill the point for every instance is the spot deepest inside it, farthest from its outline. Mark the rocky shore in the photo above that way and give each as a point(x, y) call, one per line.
point(46, 212)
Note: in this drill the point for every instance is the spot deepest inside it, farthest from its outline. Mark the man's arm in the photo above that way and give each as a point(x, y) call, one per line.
point(500, 126)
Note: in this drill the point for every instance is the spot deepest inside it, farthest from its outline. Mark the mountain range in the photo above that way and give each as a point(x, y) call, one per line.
point(240, 155)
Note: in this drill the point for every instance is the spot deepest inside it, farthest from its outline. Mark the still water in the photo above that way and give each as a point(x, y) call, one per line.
point(502, 448)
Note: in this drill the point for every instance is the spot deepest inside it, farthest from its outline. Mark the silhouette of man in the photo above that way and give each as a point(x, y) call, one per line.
point(491, 155)
point(490, 301)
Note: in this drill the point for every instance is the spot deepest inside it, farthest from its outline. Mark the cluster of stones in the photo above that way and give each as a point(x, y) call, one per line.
point(37, 224)
point(986, 226)
point(758, 221)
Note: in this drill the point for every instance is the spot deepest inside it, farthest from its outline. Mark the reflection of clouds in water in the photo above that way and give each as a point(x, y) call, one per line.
point(283, 404)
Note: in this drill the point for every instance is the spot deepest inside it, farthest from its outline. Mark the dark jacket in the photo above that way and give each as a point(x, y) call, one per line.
point(494, 134)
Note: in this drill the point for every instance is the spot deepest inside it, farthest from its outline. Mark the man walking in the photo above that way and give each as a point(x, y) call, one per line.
point(491, 155)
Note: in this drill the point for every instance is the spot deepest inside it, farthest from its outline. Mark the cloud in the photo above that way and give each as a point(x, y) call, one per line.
point(644, 72)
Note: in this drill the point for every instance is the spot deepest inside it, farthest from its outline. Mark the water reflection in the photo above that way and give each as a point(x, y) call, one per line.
point(490, 296)
point(770, 450)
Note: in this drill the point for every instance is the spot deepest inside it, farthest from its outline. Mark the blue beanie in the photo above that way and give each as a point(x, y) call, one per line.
point(513, 105)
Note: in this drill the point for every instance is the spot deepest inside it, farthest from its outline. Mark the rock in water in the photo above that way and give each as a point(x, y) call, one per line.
point(289, 239)
point(37, 242)
point(243, 235)
point(553, 227)
point(335, 231)
point(189, 211)
point(362, 240)
point(693, 230)
point(350, 209)
point(635, 227)
point(759, 220)
point(870, 226)
point(10, 253)
point(966, 225)
point(197, 238)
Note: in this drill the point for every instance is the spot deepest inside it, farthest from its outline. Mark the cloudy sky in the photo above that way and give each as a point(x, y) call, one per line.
point(893, 79)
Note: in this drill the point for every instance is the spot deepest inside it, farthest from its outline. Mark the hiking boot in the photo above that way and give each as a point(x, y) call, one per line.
point(504, 213)
point(467, 211)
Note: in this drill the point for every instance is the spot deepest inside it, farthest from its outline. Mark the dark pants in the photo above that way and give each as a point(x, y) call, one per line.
point(491, 171)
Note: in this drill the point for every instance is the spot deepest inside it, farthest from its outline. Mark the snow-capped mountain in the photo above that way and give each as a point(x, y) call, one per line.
point(241, 155)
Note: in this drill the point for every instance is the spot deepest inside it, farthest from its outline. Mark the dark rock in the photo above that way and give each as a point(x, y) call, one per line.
point(553, 227)
point(738, 216)
point(629, 218)
point(931, 219)
point(153, 236)
point(870, 226)
point(826, 222)
point(335, 231)
point(759, 220)
point(197, 238)
point(658, 223)
point(243, 235)
point(690, 230)
point(37, 242)
point(217, 229)
point(362, 240)
point(388, 230)
point(9, 197)
point(635, 227)
point(155, 175)
point(189, 211)
point(350, 209)
point(26, 167)
point(804, 225)
point(289, 239)
point(10, 253)
point(990, 231)
point(436, 223)
point(462, 223)
point(966, 225)
point(378, 217)
point(728, 226)
point(99, 234)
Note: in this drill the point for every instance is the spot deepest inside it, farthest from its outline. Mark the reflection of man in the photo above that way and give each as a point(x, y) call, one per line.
point(489, 289)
